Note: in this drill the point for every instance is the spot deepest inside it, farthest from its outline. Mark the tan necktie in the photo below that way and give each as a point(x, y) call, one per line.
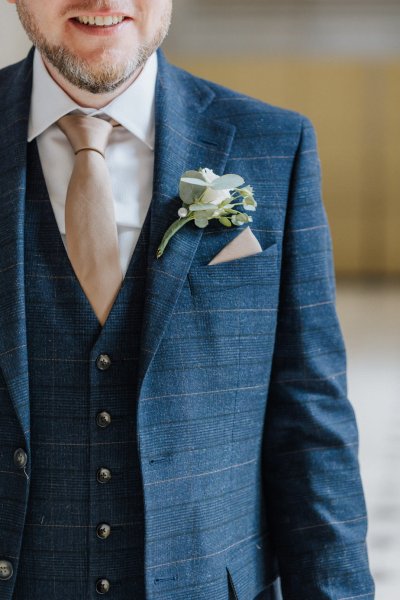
point(90, 227)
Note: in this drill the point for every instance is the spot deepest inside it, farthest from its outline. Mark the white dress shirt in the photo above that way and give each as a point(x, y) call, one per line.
point(129, 155)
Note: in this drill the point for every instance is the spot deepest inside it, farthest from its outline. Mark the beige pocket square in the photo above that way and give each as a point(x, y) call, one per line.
point(244, 244)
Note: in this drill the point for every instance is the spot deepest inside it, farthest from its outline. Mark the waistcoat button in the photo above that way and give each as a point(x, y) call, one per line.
point(103, 362)
point(20, 458)
point(103, 475)
point(6, 570)
point(102, 586)
point(103, 419)
point(103, 531)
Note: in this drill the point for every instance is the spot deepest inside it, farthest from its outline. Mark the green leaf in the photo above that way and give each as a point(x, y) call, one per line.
point(201, 223)
point(225, 221)
point(227, 182)
point(239, 219)
point(231, 211)
point(189, 192)
point(204, 214)
point(172, 229)
point(195, 207)
point(195, 181)
point(246, 192)
point(192, 174)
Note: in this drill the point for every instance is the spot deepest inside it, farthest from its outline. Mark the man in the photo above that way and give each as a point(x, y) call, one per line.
point(169, 429)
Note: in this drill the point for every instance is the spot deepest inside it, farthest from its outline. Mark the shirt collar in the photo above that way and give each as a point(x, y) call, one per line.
point(133, 109)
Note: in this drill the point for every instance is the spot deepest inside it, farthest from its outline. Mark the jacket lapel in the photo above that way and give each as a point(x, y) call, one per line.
point(186, 138)
point(14, 110)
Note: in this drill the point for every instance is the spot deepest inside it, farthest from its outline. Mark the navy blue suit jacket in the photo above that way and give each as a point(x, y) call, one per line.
point(247, 441)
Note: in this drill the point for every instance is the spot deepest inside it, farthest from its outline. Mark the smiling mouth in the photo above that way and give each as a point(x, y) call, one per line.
point(107, 21)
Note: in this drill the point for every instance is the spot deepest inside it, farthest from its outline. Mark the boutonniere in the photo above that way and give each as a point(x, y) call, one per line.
point(207, 196)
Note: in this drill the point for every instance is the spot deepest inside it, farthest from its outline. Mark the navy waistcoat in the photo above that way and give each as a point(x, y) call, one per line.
point(85, 513)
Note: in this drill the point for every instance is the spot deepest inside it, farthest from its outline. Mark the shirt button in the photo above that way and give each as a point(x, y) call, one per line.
point(103, 419)
point(20, 458)
point(102, 586)
point(103, 531)
point(6, 570)
point(103, 475)
point(103, 362)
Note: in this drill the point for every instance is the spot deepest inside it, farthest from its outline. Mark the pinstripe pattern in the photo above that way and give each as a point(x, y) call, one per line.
point(61, 555)
point(247, 442)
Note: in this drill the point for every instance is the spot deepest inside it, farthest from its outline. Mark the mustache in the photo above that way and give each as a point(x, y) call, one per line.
point(99, 5)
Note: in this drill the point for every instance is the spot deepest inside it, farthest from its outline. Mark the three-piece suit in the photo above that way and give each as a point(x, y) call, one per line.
point(200, 445)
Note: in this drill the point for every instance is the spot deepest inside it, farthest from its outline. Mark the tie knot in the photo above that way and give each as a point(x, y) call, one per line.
point(86, 133)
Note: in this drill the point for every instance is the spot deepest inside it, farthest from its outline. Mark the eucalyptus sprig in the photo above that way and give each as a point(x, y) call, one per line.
point(206, 196)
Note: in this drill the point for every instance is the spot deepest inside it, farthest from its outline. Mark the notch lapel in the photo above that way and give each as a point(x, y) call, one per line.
point(186, 138)
point(14, 111)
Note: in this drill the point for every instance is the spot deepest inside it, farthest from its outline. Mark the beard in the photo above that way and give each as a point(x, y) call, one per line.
point(106, 77)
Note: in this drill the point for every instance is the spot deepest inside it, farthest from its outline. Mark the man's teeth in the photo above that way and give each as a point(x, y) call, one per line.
point(100, 21)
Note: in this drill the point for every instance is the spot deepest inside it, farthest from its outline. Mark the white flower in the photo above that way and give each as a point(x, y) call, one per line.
point(213, 196)
point(203, 193)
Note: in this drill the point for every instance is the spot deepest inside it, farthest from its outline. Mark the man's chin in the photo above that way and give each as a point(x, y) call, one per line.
point(102, 80)
point(96, 78)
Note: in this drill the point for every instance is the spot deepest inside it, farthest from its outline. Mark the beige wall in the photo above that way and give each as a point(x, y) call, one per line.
point(13, 41)
point(355, 106)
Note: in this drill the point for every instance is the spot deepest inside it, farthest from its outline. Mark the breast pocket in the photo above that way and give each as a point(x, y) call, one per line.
point(235, 313)
point(249, 282)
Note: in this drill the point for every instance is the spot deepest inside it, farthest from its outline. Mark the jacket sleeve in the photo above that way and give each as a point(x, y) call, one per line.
point(314, 496)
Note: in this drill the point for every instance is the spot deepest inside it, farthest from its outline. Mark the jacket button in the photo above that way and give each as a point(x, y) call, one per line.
point(103, 419)
point(6, 570)
point(20, 458)
point(103, 362)
point(102, 586)
point(103, 531)
point(103, 475)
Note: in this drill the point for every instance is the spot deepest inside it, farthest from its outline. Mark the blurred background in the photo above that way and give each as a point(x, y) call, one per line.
point(338, 62)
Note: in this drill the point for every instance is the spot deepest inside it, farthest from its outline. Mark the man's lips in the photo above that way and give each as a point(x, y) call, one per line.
point(100, 24)
point(100, 20)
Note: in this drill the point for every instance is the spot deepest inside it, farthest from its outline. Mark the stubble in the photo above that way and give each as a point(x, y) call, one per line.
point(107, 76)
